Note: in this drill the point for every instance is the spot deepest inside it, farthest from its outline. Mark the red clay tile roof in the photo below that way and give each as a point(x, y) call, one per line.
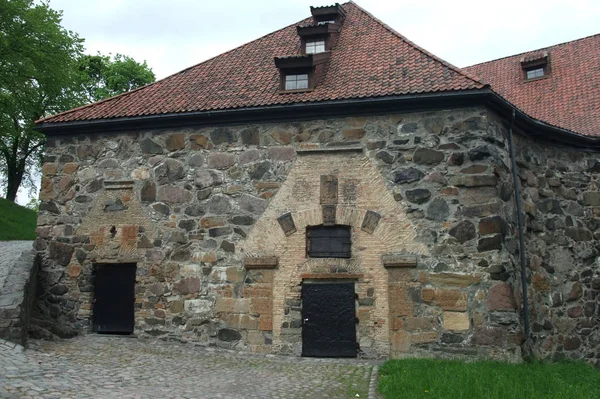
point(369, 60)
point(568, 98)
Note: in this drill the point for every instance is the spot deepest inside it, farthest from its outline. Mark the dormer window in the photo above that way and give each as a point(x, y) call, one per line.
point(296, 82)
point(534, 73)
point(536, 66)
point(314, 46)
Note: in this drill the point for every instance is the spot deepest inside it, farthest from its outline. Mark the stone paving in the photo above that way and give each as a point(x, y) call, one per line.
point(10, 252)
point(100, 366)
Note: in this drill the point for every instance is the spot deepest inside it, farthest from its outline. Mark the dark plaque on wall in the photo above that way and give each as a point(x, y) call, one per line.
point(286, 221)
point(329, 215)
point(329, 189)
point(370, 221)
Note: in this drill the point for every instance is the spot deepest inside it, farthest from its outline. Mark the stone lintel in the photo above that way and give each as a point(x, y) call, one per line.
point(399, 260)
point(327, 150)
point(119, 185)
point(117, 261)
point(318, 276)
point(263, 262)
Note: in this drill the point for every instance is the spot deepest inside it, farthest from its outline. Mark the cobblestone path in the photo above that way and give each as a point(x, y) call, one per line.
point(97, 366)
point(10, 252)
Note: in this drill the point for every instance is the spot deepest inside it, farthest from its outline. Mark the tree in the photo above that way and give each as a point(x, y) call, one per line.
point(105, 77)
point(38, 76)
point(43, 71)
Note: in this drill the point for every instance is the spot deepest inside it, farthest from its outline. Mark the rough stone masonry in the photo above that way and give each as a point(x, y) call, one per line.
point(215, 219)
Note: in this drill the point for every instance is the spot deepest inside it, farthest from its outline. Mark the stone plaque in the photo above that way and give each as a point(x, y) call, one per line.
point(286, 221)
point(264, 262)
point(370, 221)
point(349, 190)
point(329, 212)
point(399, 260)
point(329, 189)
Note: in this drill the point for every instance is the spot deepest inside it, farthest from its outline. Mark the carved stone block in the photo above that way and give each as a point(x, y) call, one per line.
point(329, 189)
point(263, 262)
point(329, 212)
point(286, 221)
point(370, 221)
point(399, 260)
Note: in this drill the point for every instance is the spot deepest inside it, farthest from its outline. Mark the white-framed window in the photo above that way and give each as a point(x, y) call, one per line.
point(535, 73)
point(315, 46)
point(294, 82)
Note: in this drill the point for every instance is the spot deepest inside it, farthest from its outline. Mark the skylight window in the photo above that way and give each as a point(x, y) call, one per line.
point(535, 73)
point(315, 46)
point(295, 82)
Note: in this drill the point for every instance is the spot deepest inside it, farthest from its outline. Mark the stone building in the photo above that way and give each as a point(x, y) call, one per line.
point(332, 189)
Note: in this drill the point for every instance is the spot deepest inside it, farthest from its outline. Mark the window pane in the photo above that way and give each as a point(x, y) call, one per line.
point(535, 73)
point(290, 78)
point(302, 84)
point(302, 77)
point(290, 85)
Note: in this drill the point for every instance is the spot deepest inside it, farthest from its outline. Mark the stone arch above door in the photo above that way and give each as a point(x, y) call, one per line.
point(346, 184)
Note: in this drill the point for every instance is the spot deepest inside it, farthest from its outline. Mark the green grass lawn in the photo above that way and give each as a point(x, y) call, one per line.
point(16, 222)
point(448, 379)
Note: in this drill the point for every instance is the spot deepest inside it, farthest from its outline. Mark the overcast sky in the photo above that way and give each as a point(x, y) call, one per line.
point(173, 35)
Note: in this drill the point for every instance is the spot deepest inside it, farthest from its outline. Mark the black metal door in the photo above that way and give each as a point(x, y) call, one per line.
point(329, 320)
point(114, 298)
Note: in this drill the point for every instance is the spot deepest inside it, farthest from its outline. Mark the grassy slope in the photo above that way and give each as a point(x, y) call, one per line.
point(16, 222)
point(419, 378)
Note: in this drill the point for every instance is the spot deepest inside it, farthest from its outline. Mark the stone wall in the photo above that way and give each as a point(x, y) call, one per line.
point(561, 197)
point(192, 206)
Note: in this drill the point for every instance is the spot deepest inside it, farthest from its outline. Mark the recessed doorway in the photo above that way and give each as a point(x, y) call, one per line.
point(113, 310)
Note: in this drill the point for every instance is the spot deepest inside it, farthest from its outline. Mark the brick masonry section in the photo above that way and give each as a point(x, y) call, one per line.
point(189, 206)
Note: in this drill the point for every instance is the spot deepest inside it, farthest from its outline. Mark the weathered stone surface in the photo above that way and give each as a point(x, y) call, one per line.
point(501, 298)
point(175, 142)
point(49, 206)
point(228, 335)
point(149, 146)
point(186, 286)
point(418, 195)
point(281, 154)
point(354, 134)
point(208, 178)
point(258, 170)
point(479, 153)
point(385, 156)
point(187, 224)
point(169, 171)
point(219, 204)
point(250, 136)
point(490, 243)
point(174, 194)
point(550, 205)
point(408, 175)
point(456, 321)
point(456, 159)
point(162, 208)
point(249, 156)
point(447, 299)
point(474, 169)
point(148, 192)
point(220, 160)
point(252, 204)
point(196, 160)
point(578, 234)
point(195, 210)
point(463, 231)
point(493, 225)
point(222, 135)
point(474, 180)
point(60, 252)
point(425, 156)
point(488, 336)
point(438, 210)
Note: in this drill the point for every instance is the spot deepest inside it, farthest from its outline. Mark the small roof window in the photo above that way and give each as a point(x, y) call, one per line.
point(314, 46)
point(535, 73)
point(295, 82)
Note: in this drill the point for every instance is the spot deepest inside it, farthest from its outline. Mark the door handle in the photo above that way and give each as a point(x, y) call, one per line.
point(305, 320)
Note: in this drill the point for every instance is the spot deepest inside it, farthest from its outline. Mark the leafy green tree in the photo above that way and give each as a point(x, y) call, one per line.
point(43, 71)
point(104, 76)
point(38, 76)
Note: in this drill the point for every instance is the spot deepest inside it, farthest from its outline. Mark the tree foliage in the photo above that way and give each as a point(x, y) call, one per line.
point(104, 76)
point(43, 71)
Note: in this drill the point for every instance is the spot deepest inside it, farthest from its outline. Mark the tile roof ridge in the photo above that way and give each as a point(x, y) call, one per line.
point(419, 48)
point(534, 50)
point(169, 76)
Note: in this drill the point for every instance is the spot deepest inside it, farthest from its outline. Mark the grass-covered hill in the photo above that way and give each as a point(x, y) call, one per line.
point(16, 222)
